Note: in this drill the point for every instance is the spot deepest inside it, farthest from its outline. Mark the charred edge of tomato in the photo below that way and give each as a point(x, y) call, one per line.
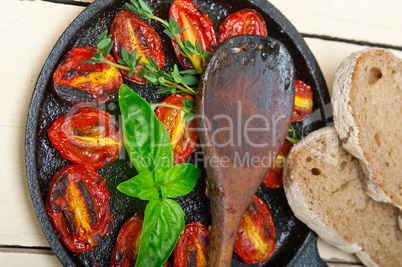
point(73, 96)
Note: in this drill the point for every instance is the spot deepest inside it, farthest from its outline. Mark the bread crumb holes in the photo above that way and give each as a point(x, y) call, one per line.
point(377, 138)
point(374, 75)
point(309, 159)
point(315, 171)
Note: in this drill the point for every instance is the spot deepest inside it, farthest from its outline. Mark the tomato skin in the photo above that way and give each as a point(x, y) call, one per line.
point(184, 136)
point(273, 179)
point(86, 84)
point(77, 191)
point(87, 136)
point(303, 101)
point(130, 31)
point(128, 241)
point(198, 27)
point(192, 247)
point(255, 239)
point(245, 21)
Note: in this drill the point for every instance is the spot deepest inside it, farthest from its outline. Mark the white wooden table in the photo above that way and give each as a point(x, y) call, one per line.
point(29, 29)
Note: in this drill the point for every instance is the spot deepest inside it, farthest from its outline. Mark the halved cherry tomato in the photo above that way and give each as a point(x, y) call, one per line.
point(79, 207)
point(198, 27)
point(184, 136)
point(87, 136)
point(127, 246)
point(132, 32)
point(128, 241)
point(246, 21)
point(303, 101)
point(273, 179)
point(255, 240)
point(192, 247)
point(86, 84)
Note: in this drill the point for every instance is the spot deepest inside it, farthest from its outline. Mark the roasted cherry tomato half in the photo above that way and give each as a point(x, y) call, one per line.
point(79, 207)
point(184, 136)
point(128, 242)
point(273, 179)
point(87, 136)
point(192, 247)
point(86, 84)
point(255, 239)
point(303, 101)
point(246, 21)
point(198, 27)
point(132, 32)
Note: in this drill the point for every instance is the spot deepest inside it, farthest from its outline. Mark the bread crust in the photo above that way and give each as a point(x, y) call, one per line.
point(348, 127)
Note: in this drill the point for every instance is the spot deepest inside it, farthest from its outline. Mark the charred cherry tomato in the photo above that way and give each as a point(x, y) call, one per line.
point(128, 242)
point(198, 27)
point(86, 84)
point(132, 32)
point(192, 247)
point(255, 240)
point(79, 206)
point(246, 21)
point(303, 101)
point(184, 136)
point(87, 136)
point(273, 179)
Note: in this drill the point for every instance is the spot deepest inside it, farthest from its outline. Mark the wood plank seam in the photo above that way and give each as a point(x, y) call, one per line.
point(29, 250)
point(69, 2)
point(349, 41)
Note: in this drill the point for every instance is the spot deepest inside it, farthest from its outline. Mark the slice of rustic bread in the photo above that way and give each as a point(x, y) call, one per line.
point(367, 101)
point(321, 182)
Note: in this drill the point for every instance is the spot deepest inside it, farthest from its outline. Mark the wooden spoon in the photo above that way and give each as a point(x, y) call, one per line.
point(244, 105)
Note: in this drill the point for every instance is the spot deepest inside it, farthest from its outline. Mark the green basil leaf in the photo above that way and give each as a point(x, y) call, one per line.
point(177, 181)
point(141, 186)
point(163, 223)
point(146, 140)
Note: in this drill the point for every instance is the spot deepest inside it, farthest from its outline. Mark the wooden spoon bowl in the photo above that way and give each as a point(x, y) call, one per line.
point(244, 108)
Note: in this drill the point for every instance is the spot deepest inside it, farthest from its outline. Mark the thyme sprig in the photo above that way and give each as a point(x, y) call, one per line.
point(171, 83)
point(294, 139)
point(188, 109)
point(173, 30)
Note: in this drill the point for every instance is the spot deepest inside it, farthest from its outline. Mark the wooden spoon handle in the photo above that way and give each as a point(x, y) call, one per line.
point(245, 104)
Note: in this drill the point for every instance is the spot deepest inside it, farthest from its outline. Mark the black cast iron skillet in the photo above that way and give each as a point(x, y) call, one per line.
point(296, 244)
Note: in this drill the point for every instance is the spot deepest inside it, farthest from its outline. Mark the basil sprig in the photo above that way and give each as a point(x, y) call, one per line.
point(150, 150)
